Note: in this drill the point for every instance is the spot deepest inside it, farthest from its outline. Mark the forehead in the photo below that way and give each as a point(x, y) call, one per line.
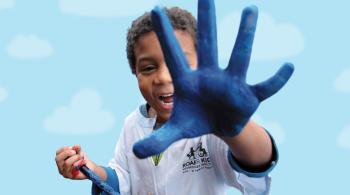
point(148, 44)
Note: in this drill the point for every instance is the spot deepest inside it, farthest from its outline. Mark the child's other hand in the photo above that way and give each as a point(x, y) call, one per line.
point(209, 99)
point(69, 159)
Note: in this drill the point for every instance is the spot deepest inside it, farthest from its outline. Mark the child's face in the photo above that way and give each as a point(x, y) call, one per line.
point(153, 75)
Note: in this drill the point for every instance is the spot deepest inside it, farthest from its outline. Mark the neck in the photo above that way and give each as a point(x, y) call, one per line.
point(151, 112)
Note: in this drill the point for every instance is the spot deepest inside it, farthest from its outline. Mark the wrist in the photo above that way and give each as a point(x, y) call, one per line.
point(98, 170)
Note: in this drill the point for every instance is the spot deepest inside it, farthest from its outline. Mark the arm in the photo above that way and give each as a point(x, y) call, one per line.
point(70, 158)
point(252, 147)
point(104, 179)
point(211, 100)
point(100, 171)
point(72, 163)
point(116, 175)
point(109, 186)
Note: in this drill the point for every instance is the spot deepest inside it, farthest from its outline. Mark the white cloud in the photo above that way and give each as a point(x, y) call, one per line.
point(29, 47)
point(344, 138)
point(3, 94)
point(106, 8)
point(273, 128)
point(6, 4)
point(272, 40)
point(342, 83)
point(84, 115)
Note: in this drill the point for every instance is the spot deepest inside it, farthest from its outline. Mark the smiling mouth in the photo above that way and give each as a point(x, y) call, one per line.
point(167, 99)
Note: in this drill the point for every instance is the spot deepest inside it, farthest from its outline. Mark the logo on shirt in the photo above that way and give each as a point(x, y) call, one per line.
point(198, 159)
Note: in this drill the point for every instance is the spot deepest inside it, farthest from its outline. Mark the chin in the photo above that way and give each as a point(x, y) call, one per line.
point(163, 118)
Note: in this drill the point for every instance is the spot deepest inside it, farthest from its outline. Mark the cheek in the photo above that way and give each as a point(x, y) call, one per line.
point(144, 88)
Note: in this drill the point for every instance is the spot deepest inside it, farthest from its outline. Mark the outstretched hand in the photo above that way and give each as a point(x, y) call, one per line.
point(209, 99)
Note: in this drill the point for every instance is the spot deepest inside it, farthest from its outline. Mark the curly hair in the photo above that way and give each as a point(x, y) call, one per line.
point(179, 18)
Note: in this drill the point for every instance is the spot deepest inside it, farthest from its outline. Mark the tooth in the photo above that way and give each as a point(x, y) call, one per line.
point(167, 95)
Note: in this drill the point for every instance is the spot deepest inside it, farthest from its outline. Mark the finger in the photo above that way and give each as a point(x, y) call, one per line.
point(76, 173)
point(241, 52)
point(207, 35)
point(174, 57)
point(157, 142)
point(65, 154)
point(71, 160)
point(61, 157)
point(79, 163)
point(63, 148)
point(271, 86)
point(68, 164)
point(77, 148)
point(79, 151)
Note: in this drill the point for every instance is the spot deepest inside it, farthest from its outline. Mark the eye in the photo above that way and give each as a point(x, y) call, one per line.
point(148, 68)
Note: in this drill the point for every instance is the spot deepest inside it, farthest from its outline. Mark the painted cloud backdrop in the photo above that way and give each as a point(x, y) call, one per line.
point(29, 47)
point(273, 40)
point(3, 94)
point(105, 8)
point(84, 115)
point(5, 4)
point(65, 80)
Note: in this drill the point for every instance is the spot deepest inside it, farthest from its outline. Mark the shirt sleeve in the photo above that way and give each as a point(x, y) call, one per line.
point(112, 181)
point(235, 175)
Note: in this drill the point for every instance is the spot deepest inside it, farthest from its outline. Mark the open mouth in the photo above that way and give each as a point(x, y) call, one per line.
point(167, 99)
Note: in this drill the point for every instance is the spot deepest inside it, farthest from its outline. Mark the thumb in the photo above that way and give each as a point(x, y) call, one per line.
point(81, 152)
point(272, 85)
point(77, 148)
point(157, 142)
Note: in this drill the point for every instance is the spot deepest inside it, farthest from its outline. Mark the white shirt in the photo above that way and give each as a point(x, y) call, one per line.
point(190, 166)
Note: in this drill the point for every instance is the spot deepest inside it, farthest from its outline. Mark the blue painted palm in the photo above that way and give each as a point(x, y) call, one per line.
point(209, 99)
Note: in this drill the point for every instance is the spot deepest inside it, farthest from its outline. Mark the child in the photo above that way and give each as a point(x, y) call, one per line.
point(221, 146)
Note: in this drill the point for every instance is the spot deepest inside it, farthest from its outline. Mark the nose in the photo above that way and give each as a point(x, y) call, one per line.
point(163, 76)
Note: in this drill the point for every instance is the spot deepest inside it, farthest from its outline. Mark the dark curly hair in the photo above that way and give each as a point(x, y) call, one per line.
point(179, 18)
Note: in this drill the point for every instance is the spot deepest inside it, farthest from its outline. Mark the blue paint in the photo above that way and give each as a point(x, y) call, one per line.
point(209, 99)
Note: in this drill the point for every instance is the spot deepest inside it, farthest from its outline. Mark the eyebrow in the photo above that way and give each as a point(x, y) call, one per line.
point(144, 58)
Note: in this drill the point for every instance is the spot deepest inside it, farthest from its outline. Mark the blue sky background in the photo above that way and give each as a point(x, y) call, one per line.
point(64, 79)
